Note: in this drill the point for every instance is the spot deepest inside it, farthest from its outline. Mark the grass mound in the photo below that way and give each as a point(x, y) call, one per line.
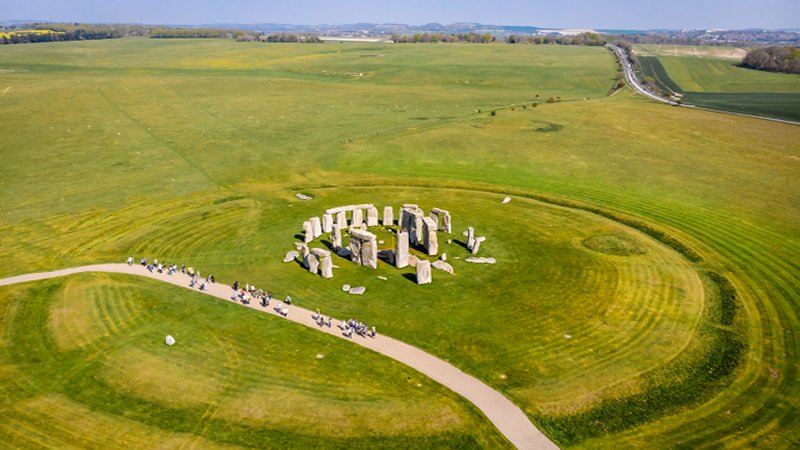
point(615, 244)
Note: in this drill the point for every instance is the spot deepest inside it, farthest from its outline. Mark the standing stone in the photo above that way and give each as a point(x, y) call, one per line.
point(313, 263)
point(336, 237)
point(430, 240)
point(341, 219)
point(434, 214)
point(327, 223)
point(308, 232)
point(447, 225)
point(470, 238)
point(358, 217)
point(303, 248)
point(388, 216)
point(316, 227)
point(424, 272)
point(326, 267)
point(372, 216)
point(355, 248)
point(415, 233)
point(323, 257)
point(477, 244)
point(369, 254)
point(401, 250)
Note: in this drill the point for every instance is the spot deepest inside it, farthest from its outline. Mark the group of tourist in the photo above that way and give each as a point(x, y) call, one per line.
point(354, 326)
point(249, 292)
point(171, 269)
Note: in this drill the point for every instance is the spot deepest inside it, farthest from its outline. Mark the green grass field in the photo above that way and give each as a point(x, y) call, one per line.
point(709, 77)
point(662, 241)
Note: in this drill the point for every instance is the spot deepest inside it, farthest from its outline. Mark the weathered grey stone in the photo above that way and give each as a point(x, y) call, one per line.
point(388, 216)
point(290, 256)
point(372, 216)
point(358, 290)
point(447, 225)
point(326, 266)
point(303, 196)
point(480, 260)
point(423, 272)
point(345, 287)
point(333, 211)
point(336, 238)
point(308, 232)
point(313, 263)
point(410, 206)
point(443, 266)
point(506, 200)
point(363, 248)
point(381, 277)
point(416, 231)
point(443, 257)
point(476, 244)
point(341, 219)
point(470, 238)
point(358, 217)
point(320, 252)
point(316, 227)
point(434, 214)
point(401, 250)
point(413, 260)
point(327, 223)
point(304, 255)
point(430, 240)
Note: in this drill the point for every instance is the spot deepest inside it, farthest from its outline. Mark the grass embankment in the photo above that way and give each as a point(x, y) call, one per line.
point(192, 151)
point(90, 349)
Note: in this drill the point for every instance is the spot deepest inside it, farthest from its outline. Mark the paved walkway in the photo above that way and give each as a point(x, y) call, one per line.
point(506, 416)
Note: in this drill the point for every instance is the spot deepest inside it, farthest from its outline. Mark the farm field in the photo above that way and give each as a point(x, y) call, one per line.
point(192, 151)
point(698, 51)
point(711, 79)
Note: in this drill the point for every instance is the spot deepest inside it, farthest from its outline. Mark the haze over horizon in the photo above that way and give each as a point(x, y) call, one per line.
point(678, 14)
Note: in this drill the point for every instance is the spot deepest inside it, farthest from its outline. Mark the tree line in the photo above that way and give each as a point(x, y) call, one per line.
point(279, 37)
point(773, 59)
point(485, 38)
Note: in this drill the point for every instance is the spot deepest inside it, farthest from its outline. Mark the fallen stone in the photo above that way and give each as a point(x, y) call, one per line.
point(443, 257)
point(303, 196)
point(480, 260)
point(381, 277)
point(443, 266)
point(358, 290)
point(345, 287)
point(506, 200)
point(290, 256)
point(381, 242)
point(169, 340)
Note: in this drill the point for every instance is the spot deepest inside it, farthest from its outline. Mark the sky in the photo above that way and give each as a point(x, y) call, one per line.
point(641, 14)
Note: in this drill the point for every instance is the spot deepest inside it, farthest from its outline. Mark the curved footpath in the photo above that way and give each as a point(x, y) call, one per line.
point(506, 416)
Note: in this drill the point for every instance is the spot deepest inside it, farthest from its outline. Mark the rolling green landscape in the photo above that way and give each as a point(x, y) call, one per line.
point(709, 77)
point(647, 280)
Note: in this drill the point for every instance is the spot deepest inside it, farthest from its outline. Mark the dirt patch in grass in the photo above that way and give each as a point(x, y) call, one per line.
point(615, 244)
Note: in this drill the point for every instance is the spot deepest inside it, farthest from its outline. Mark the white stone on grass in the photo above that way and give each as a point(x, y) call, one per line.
point(443, 266)
point(345, 287)
point(506, 200)
point(303, 196)
point(358, 290)
point(290, 256)
point(423, 271)
point(480, 260)
point(169, 340)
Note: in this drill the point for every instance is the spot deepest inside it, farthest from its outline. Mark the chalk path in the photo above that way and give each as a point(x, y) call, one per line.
point(507, 417)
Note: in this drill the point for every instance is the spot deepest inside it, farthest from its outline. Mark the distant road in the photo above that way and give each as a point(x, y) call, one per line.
point(633, 81)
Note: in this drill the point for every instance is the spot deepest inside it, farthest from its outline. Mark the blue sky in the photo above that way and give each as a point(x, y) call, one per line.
point(642, 14)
